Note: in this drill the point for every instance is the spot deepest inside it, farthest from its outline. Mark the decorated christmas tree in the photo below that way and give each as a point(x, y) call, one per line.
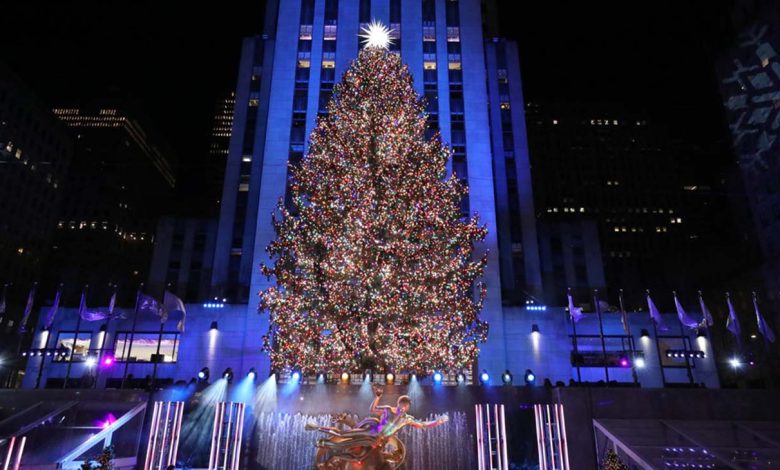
point(373, 258)
point(612, 462)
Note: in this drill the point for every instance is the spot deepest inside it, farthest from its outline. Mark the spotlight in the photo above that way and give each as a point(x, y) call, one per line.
point(63, 353)
point(461, 378)
point(345, 377)
point(414, 377)
point(389, 378)
point(295, 376)
point(204, 374)
point(530, 377)
point(24, 353)
point(214, 326)
point(437, 377)
point(624, 362)
point(40, 352)
point(91, 361)
point(735, 362)
point(367, 375)
point(321, 378)
point(48, 353)
point(639, 362)
point(108, 361)
point(252, 374)
point(535, 329)
point(643, 333)
point(228, 374)
point(506, 377)
point(484, 377)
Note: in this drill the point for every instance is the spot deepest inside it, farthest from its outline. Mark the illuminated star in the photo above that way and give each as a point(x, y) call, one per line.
point(376, 35)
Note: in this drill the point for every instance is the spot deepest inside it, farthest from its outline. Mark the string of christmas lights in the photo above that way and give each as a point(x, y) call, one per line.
point(373, 261)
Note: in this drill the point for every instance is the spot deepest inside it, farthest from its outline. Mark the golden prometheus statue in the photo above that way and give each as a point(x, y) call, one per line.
point(370, 444)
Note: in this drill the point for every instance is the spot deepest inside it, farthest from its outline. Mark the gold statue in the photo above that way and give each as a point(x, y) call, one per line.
point(370, 444)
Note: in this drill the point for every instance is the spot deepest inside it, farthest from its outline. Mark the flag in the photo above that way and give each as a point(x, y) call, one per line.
point(604, 306)
point(732, 323)
point(655, 314)
point(2, 300)
point(172, 303)
point(84, 311)
point(685, 319)
point(54, 308)
point(763, 328)
point(575, 312)
point(623, 314)
point(149, 304)
point(707, 316)
point(112, 304)
point(28, 308)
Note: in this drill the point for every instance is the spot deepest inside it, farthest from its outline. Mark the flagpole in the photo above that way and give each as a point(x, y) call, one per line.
point(76, 338)
point(601, 333)
point(657, 344)
point(159, 340)
point(627, 330)
point(574, 340)
point(765, 359)
point(684, 338)
point(132, 334)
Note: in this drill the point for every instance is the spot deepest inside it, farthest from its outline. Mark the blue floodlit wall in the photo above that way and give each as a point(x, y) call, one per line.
point(237, 344)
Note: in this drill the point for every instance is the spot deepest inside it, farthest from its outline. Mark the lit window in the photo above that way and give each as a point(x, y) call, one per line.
point(330, 32)
point(395, 31)
point(454, 62)
point(305, 33)
point(504, 105)
point(76, 348)
point(246, 158)
point(328, 64)
point(254, 102)
point(453, 34)
point(243, 187)
point(18, 153)
point(145, 345)
point(429, 65)
point(429, 33)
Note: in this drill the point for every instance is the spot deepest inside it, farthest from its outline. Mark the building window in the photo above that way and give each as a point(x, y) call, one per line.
point(453, 34)
point(429, 33)
point(305, 34)
point(142, 346)
point(330, 32)
point(76, 347)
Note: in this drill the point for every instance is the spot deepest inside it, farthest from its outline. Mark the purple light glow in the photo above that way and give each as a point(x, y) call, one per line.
point(108, 361)
point(623, 362)
point(108, 420)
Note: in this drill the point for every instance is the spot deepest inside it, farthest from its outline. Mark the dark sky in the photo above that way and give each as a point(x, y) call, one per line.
point(175, 58)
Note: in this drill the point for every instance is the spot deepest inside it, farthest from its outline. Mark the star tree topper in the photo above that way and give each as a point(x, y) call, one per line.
point(376, 35)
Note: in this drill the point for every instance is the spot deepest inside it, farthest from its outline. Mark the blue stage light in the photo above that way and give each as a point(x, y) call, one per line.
point(296, 376)
point(530, 377)
point(506, 377)
point(461, 378)
point(228, 374)
point(437, 377)
point(252, 373)
point(203, 374)
point(484, 377)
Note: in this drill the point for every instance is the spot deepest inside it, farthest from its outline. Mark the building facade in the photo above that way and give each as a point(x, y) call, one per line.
point(182, 257)
point(285, 81)
point(35, 154)
point(119, 184)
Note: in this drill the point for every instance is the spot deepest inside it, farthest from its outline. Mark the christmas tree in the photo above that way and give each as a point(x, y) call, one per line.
point(373, 258)
point(612, 462)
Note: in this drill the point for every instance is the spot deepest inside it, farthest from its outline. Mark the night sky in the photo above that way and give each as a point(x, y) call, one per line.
point(174, 59)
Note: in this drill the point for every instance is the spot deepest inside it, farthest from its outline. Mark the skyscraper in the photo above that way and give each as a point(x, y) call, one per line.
point(120, 181)
point(35, 153)
point(285, 80)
